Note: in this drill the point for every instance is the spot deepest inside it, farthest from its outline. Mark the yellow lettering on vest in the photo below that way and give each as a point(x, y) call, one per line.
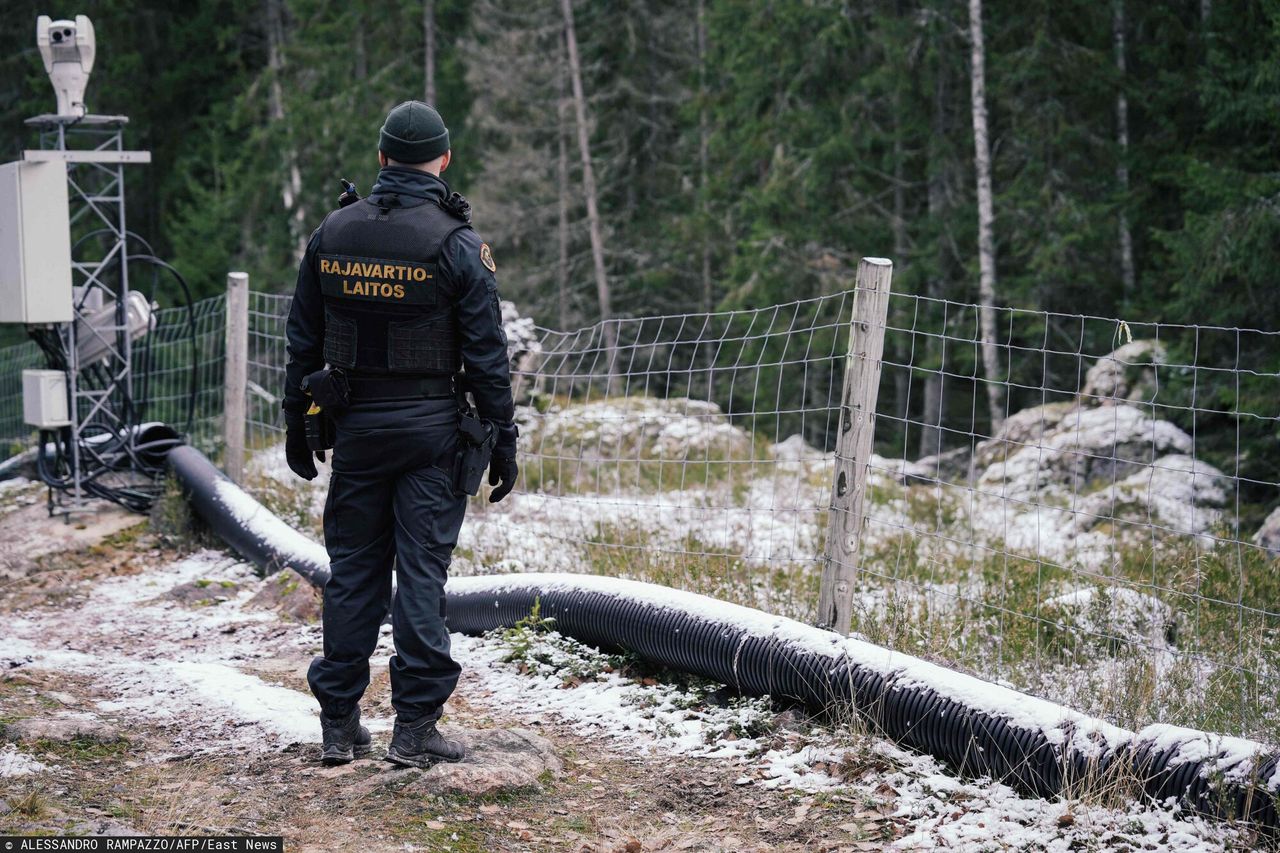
point(419, 274)
point(399, 291)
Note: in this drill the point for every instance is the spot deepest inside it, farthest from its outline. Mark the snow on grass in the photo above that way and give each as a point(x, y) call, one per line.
point(946, 814)
point(177, 690)
point(1057, 723)
point(14, 763)
point(176, 664)
point(941, 812)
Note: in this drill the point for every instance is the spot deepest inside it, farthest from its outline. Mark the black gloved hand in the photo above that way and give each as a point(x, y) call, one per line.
point(502, 465)
point(504, 471)
point(296, 451)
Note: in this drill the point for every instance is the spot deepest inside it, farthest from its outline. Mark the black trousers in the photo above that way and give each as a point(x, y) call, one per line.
point(389, 505)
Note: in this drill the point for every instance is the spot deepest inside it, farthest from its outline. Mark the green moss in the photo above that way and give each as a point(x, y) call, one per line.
point(126, 538)
point(461, 837)
point(84, 747)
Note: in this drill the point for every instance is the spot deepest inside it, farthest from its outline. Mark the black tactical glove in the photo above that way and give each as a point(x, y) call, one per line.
point(502, 465)
point(296, 451)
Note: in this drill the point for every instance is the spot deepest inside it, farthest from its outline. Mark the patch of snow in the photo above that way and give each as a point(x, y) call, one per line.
point(1176, 492)
point(14, 763)
point(640, 428)
point(175, 690)
point(1114, 612)
point(796, 449)
point(176, 664)
point(944, 813)
point(1085, 446)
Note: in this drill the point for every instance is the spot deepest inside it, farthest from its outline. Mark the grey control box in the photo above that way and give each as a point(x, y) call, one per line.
point(35, 243)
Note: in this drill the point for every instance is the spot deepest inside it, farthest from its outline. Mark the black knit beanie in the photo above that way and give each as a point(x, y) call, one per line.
point(413, 133)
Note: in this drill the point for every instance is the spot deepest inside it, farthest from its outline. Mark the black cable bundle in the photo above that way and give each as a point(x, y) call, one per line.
point(125, 442)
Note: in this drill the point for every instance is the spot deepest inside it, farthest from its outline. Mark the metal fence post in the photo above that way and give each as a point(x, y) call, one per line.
point(237, 373)
point(854, 442)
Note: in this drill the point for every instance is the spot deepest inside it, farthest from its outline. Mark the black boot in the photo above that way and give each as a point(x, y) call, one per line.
point(420, 744)
point(344, 738)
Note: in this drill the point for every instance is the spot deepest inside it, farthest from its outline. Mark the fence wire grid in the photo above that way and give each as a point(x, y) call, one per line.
point(1099, 531)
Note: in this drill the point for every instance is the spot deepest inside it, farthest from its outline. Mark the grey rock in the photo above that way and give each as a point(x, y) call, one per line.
point(63, 728)
point(1127, 375)
point(1268, 535)
point(496, 760)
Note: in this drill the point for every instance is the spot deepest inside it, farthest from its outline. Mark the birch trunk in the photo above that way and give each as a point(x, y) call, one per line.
point(931, 406)
point(429, 50)
point(1127, 272)
point(291, 187)
point(708, 294)
point(986, 219)
point(589, 191)
point(562, 173)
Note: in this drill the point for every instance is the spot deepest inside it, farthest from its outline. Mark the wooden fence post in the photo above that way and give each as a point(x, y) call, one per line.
point(854, 442)
point(237, 373)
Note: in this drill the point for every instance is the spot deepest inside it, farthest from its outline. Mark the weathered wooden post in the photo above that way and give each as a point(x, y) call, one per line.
point(237, 374)
point(854, 442)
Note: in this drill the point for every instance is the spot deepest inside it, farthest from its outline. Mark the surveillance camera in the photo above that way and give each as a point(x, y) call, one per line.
point(67, 48)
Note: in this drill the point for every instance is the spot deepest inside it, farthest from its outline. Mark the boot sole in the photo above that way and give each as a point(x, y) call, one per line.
point(420, 761)
point(337, 757)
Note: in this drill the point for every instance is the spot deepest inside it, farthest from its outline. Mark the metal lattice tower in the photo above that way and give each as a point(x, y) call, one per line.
point(97, 342)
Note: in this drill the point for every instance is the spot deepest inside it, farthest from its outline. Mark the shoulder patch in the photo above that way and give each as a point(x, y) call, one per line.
point(486, 257)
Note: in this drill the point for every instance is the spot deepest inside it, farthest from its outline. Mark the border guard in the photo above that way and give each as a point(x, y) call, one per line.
point(396, 307)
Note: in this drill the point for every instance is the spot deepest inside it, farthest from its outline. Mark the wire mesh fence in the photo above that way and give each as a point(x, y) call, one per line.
point(177, 377)
point(1101, 537)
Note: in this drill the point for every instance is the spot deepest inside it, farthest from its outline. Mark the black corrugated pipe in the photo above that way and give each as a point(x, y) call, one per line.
point(976, 727)
point(251, 529)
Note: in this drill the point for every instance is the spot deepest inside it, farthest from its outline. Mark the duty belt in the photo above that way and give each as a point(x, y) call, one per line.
point(383, 388)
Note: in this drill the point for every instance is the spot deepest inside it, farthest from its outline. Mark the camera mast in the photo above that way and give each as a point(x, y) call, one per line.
point(85, 318)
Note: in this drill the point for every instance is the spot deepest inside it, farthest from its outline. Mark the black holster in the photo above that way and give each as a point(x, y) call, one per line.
point(329, 391)
point(475, 446)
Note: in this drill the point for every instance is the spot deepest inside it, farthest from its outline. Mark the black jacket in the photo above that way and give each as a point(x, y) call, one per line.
point(464, 279)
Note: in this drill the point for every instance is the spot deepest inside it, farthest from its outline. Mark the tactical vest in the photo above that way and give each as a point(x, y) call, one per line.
point(384, 310)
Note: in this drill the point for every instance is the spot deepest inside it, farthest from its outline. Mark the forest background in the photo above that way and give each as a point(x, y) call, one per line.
point(629, 158)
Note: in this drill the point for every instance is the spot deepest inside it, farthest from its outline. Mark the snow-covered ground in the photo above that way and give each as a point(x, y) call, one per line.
point(180, 646)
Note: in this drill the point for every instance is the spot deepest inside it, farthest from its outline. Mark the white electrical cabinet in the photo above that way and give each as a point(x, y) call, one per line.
point(44, 399)
point(35, 243)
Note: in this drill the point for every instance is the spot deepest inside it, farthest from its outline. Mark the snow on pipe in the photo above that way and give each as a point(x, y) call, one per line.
point(247, 526)
point(978, 728)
